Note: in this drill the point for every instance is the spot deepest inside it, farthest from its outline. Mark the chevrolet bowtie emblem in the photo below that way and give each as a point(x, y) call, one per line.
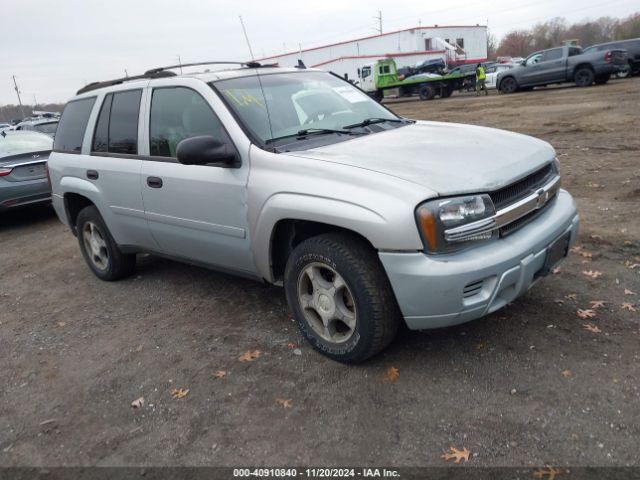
point(542, 198)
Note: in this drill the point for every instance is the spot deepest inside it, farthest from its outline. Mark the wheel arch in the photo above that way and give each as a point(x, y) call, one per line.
point(287, 219)
point(581, 65)
point(502, 79)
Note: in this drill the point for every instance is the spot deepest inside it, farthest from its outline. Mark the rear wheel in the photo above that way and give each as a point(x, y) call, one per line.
point(602, 79)
point(427, 92)
point(340, 297)
point(583, 77)
point(99, 249)
point(446, 91)
point(508, 85)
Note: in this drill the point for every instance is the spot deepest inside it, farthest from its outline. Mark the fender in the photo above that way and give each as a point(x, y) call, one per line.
point(295, 206)
point(80, 186)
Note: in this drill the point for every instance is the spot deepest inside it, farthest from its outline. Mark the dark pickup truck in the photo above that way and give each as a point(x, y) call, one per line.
point(563, 64)
point(632, 46)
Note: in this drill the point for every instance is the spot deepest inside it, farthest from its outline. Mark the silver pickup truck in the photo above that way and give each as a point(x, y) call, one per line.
point(563, 64)
point(296, 177)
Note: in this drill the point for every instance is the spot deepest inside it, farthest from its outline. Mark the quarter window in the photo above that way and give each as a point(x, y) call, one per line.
point(117, 126)
point(73, 124)
point(178, 113)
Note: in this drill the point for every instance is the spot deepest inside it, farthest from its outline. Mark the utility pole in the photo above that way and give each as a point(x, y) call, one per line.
point(246, 37)
point(15, 84)
point(126, 74)
point(379, 18)
point(180, 63)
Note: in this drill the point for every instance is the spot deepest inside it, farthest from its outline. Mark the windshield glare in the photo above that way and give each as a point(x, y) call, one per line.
point(297, 101)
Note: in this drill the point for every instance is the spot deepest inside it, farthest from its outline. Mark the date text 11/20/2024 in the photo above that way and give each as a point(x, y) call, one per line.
point(316, 472)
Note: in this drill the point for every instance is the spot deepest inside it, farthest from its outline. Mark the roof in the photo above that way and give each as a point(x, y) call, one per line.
point(367, 38)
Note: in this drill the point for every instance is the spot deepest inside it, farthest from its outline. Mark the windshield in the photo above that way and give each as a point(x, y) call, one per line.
point(293, 102)
point(15, 143)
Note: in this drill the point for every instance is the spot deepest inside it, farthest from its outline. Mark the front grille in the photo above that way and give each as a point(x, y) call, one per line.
point(520, 189)
point(522, 221)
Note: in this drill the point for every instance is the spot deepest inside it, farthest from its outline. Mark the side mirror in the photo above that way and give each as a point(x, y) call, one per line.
point(204, 150)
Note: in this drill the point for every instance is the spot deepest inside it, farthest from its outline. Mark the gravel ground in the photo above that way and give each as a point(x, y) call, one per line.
point(526, 386)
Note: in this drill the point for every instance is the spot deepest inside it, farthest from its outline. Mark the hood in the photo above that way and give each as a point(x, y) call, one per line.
point(447, 158)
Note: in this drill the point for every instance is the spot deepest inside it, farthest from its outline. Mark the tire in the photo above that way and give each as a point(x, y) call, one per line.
point(446, 92)
point(364, 298)
point(427, 92)
point(508, 85)
point(583, 77)
point(377, 96)
point(99, 249)
point(602, 79)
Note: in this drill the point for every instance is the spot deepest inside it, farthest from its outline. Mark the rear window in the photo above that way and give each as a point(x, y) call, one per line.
point(73, 124)
point(117, 125)
point(16, 143)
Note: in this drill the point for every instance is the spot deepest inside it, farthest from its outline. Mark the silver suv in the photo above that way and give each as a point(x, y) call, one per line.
point(296, 177)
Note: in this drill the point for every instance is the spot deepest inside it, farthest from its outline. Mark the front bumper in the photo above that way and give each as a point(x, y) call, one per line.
point(21, 194)
point(436, 291)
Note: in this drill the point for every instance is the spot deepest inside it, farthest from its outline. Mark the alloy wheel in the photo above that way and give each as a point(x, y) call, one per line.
point(327, 302)
point(95, 245)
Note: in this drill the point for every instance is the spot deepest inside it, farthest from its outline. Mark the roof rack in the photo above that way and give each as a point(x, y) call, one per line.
point(108, 83)
point(161, 72)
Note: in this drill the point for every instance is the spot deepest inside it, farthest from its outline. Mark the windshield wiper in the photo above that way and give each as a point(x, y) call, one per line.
point(312, 131)
point(370, 121)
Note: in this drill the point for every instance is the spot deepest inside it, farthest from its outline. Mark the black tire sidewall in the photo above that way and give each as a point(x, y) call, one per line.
point(426, 92)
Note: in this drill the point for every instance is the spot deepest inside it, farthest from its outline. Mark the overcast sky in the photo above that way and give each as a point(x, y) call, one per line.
point(55, 47)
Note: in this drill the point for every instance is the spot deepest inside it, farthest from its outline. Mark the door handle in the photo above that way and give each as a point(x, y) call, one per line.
point(92, 174)
point(154, 182)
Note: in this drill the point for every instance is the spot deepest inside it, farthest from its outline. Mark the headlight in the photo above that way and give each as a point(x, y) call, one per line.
point(445, 223)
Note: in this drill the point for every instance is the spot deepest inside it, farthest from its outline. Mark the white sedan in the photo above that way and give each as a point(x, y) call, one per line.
point(494, 71)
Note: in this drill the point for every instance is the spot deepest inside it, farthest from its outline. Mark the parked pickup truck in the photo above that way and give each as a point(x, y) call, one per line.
point(295, 177)
point(632, 46)
point(563, 64)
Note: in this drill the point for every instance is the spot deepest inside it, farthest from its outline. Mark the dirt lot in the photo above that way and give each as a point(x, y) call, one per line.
point(526, 386)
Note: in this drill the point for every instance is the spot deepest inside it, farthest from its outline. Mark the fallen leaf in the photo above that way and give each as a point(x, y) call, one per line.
point(597, 303)
point(592, 328)
point(456, 455)
point(588, 313)
point(138, 403)
point(628, 306)
point(139, 348)
point(291, 345)
point(586, 254)
point(391, 375)
point(219, 374)
point(571, 296)
point(179, 392)
point(567, 373)
point(286, 403)
point(634, 265)
point(548, 472)
point(575, 249)
point(592, 273)
point(61, 324)
point(556, 270)
point(481, 345)
point(628, 292)
point(250, 356)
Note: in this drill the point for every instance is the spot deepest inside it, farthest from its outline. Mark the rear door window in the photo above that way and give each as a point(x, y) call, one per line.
point(73, 124)
point(554, 54)
point(117, 126)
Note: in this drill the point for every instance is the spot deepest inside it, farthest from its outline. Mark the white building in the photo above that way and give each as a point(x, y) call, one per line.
point(455, 44)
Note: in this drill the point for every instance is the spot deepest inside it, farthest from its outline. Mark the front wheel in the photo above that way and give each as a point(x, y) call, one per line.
point(508, 85)
point(99, 249)
point(341, 297)
point(583, 77)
